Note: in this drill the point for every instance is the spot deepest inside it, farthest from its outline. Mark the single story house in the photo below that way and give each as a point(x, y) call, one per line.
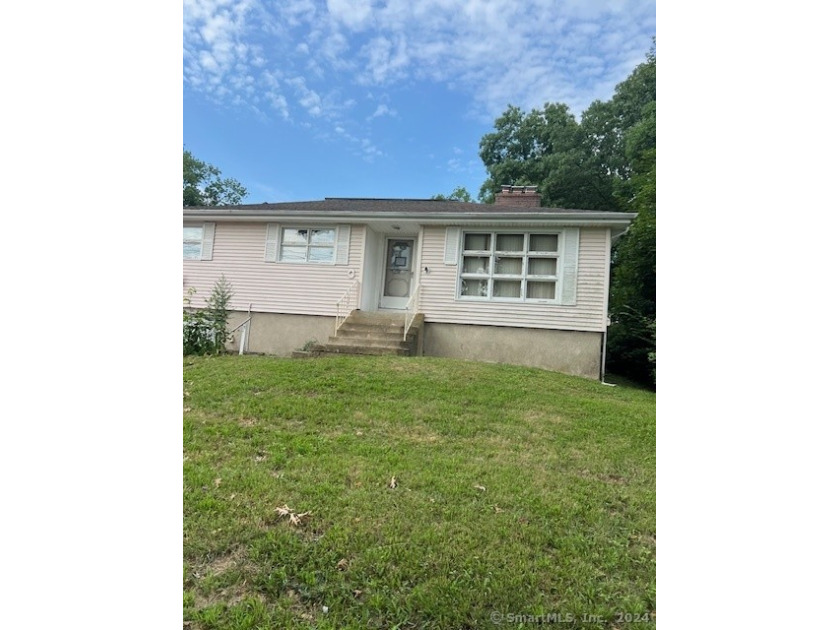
point(511, 282)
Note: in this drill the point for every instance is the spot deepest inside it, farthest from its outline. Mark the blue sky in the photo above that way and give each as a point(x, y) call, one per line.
point(306, 99)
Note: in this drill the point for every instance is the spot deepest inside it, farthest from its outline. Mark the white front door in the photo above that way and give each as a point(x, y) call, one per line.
point(399, 272)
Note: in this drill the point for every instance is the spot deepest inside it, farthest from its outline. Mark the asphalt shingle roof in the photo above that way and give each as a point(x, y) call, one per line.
point(408, 206)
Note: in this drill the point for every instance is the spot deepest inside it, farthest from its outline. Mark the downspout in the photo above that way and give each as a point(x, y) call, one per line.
point(604, 356)
point(606, 316)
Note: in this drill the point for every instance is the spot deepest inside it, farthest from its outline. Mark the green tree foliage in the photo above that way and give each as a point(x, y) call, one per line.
point(631, 341)
point(204, 186)
point(607, 162)
point(459, 194)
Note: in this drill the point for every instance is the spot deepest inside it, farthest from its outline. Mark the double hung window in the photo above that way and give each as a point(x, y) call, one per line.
point(198, 241)
point(307, 245)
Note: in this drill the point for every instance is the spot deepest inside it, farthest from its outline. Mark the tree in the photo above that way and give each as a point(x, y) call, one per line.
point(607, 162)
point(631, 342)
point(547, 148)
point(585, 165)
point(459, 194)
point(204, 186)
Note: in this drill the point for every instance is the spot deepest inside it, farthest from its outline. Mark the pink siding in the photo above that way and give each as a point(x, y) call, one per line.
point(270, 287)
point(439, 303)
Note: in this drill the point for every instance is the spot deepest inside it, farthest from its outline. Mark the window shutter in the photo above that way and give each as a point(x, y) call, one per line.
point(450, 246)
point(272, 235)
point(207, 241)
point(342, 245)
point(571, 238)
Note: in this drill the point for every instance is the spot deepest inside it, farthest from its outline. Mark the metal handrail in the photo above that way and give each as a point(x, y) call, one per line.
point(233, 330)
point(243, 340)
point(343, 307)
point(411, 309)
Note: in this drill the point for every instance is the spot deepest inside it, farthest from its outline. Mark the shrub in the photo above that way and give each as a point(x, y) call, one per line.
point(205, 329)
point(631, 346)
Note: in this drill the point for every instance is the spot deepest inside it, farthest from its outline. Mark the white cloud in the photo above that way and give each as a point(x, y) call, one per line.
point(369, 151)
point(278, 102)
point(352, 13)
point(306, 59)
point(309, 99)
point(382, 110)
point(458, 165)
point(386, 59)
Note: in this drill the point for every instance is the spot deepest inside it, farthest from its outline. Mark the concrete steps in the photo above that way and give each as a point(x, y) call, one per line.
point(374, 333)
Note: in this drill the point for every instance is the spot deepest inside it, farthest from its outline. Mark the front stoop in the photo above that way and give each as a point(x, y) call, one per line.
point(375, 333)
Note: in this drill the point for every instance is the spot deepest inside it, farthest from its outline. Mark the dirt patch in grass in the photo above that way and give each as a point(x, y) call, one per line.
point(540, 417)
point(238, 566)
point(222, 564)
point(229, 596)
point(609, 478)
point(420, 435)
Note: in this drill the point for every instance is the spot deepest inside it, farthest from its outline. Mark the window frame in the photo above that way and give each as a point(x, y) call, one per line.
point(308, 246)
point(205, 240)
point(525, 256)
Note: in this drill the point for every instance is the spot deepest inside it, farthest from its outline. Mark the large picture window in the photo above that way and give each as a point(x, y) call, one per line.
point(307, 245)
point(520, 266)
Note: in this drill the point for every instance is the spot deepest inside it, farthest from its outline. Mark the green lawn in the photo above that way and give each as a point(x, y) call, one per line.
point(517, 492)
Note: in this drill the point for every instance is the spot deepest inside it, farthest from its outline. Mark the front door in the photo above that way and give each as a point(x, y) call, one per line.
point(399, 273)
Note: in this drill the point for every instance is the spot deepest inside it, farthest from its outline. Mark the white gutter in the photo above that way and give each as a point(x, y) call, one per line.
point(612, 219)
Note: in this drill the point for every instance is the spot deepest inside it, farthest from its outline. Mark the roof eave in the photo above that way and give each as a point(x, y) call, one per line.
point(428, 218)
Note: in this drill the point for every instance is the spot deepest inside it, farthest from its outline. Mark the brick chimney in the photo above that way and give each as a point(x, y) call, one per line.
point(518, 197)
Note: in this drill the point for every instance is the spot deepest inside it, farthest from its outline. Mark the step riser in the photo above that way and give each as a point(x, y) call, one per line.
point(362, 343)
point(360, 334)
point(366, 350)
point(367, 327)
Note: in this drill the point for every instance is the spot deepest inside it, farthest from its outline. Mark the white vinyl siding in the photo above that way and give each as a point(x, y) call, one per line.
point(198, 241)
point(240, 252)
point(440, 301)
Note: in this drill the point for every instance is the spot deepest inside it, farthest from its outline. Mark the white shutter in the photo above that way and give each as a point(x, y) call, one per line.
point(342, 245)
point(571, 238)
point(207, 241)
point(450, 246)
point(272, 236)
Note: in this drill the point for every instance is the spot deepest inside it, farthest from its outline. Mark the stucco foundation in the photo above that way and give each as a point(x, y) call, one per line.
point(571, 352)
point(277, 334)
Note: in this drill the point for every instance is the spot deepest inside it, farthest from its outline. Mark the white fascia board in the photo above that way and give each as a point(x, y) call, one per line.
point(577, 219)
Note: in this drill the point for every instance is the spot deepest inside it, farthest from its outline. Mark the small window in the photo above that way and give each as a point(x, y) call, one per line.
point(312, 245)
point(198, 241)
point(192, 243)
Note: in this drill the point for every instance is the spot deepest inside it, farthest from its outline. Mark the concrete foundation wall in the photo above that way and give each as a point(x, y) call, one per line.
point(277, 334)
point(571, 352)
